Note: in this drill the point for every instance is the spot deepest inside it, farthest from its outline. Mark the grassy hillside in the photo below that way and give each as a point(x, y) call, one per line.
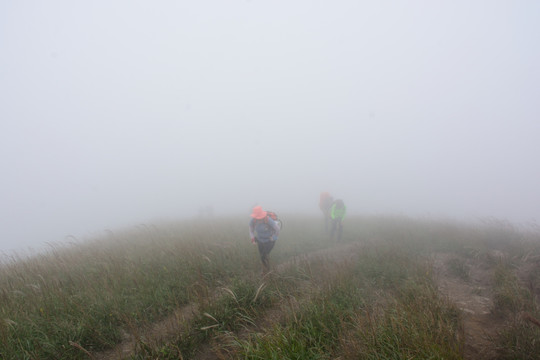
point(393, 288)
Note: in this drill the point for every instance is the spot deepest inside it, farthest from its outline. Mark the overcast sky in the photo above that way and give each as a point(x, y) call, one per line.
point(116, 113)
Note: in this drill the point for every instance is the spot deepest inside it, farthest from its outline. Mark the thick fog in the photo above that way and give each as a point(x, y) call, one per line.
point(116, 113)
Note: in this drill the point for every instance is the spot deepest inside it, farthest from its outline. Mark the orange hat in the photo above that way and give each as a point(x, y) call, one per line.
point(258, 213)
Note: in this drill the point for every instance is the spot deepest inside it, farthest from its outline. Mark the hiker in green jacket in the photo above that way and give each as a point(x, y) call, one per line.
point(337, 213)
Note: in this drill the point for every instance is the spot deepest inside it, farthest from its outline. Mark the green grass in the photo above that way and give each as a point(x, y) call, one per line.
point(376, 300)
point(380, 305)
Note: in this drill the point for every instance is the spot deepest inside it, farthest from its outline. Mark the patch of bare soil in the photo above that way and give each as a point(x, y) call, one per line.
point(473, 295)
point(161, 330)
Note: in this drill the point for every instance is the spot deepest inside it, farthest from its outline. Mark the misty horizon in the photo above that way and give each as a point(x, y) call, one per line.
point(116, 114)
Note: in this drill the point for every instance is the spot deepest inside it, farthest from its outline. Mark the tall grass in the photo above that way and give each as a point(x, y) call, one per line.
point(374, 297)
point(379, 304)
point(512, 299)
point(94, 293)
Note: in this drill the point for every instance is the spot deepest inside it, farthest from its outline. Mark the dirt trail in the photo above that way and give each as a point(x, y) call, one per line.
point(175, 323)
point(160, 330)
point(340, 253)
point(475, 299)
point(472, 295)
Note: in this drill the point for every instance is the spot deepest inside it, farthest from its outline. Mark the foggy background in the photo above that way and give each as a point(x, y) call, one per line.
point(116, 113)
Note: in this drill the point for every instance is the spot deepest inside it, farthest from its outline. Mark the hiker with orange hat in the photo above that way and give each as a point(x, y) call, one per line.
point(325, 204)
point(263, 231)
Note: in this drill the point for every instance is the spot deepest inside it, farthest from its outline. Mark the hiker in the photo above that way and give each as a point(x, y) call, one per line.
point(325, 204)
point(337, 213)
point(264, 231)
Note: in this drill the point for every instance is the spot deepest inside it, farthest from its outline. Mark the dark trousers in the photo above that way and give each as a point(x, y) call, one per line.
point(264, 251)
point(336, 226)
